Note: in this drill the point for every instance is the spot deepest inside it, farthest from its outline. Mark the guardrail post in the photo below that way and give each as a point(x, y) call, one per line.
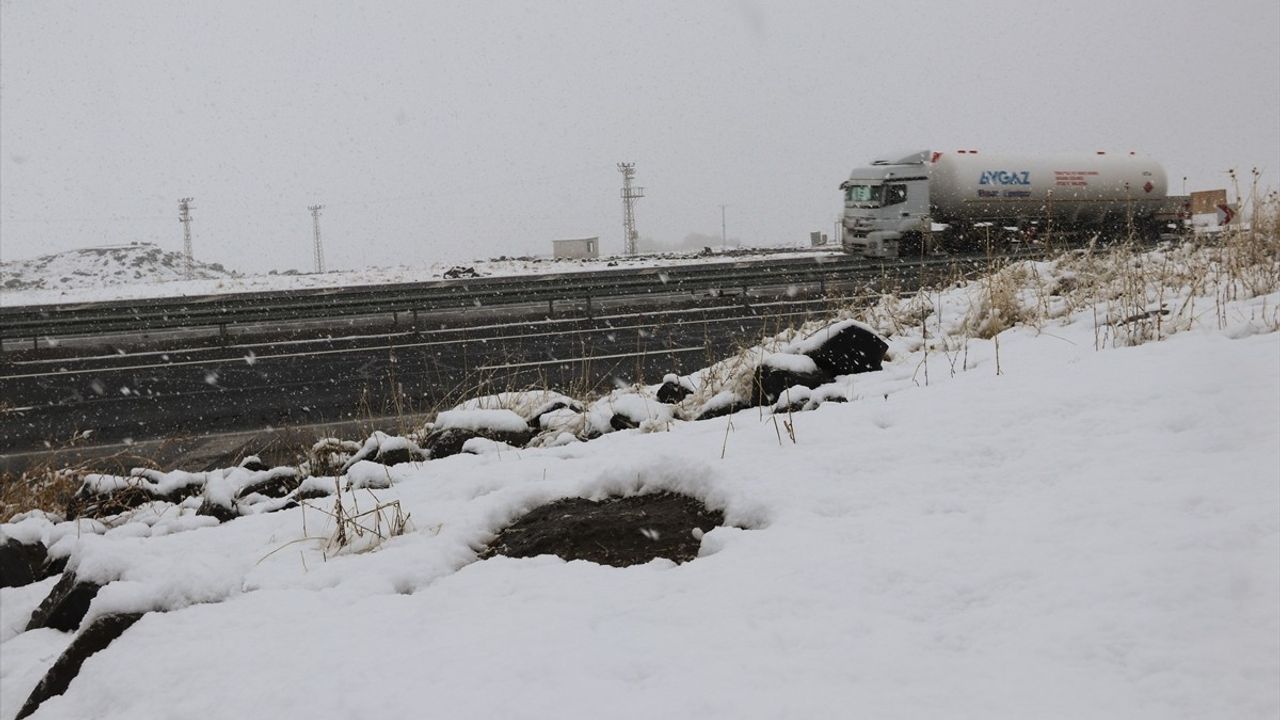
point(589, 307)
point(222, 333)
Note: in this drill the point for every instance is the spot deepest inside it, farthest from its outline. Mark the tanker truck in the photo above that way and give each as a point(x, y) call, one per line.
point(959, 201)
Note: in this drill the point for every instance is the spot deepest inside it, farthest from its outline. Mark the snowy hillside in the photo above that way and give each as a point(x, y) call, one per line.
point(100, 269)
point(133, 272)
point(1053, 501)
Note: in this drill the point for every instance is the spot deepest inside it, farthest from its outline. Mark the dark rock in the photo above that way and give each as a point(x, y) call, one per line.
point(797, 404)
point(100, 633)
point(65, 605)
point(379, 449)
point(217, 510)
point(851, 349)
point(722, 410)
point(398, 455)
point(457, 271)
point(87, 504)
point(254, 464)
point(443, 443)
point(617, 531)
point(622, 422)
point(54, 566)
point(279, 483)
point(22, 564)
point(770, 383)
point(535, 418)
point(672, 392)
point(143, 488)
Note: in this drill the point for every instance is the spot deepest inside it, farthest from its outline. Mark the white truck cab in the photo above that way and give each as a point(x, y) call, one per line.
point(886, 207)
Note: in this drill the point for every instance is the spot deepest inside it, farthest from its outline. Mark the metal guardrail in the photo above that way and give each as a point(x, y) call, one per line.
point(316, 303)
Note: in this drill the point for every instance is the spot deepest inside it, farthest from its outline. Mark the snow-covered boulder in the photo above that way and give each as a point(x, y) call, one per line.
point(65, 605)
point(627, 409)
point(780, 371)
point(100, 633)
point(21, 563)
point(101, 495)
point(725, 402)
point(453, 428)
point(674, 389)
point(801, 398)
point(230, 492)
point(531, 405)
point(386, 449)
point(253, 462)
point(844, 348)
point(331, 455)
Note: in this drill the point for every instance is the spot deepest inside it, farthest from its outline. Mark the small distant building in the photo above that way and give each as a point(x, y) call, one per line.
point(1209, 208)
point(817, 239)
point(580, 248)
point(1206, 202)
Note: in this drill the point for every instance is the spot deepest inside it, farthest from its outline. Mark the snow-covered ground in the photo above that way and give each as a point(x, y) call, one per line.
point(1046, 524)
point(132, 272)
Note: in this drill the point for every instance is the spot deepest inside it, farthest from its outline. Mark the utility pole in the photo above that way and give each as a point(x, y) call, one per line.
point(724, 238)
point(184, 217)
point(315, 224)
point(629, 196)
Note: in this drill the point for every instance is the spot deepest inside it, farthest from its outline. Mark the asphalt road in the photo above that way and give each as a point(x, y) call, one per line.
point(130, 388)
point(280, 381)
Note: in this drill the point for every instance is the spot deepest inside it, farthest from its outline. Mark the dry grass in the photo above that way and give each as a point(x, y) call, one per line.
point(999, 305)
point(47, 489)
point(51, 487)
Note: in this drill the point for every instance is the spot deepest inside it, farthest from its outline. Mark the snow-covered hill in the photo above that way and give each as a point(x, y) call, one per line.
point(100, 269)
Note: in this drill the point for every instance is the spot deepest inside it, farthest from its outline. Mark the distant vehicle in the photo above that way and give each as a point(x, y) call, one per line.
point(964, 199)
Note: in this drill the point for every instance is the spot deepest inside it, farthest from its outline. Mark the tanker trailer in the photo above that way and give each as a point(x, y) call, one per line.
point(954, 200)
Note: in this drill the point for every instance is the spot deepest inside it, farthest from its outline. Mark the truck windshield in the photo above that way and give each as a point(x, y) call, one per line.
point(863, 194)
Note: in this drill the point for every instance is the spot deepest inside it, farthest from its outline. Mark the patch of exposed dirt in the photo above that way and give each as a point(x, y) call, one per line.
point(616, 531)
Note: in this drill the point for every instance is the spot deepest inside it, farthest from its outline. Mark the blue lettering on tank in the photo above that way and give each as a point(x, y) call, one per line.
point(1004, 177)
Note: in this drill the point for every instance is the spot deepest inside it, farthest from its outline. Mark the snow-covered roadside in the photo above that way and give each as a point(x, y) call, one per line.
point(56, 280)
point(1086, 533)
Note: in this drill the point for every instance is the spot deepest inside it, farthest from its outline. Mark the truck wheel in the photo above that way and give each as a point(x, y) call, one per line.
point(959, 240)
point(911, 245)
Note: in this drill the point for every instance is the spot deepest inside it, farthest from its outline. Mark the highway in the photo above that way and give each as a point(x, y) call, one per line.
point(196, 366)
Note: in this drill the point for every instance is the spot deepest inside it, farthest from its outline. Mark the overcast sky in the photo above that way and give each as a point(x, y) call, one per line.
point(437, 131)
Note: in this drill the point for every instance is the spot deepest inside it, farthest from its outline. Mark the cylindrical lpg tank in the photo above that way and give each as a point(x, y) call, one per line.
point(969, 186)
